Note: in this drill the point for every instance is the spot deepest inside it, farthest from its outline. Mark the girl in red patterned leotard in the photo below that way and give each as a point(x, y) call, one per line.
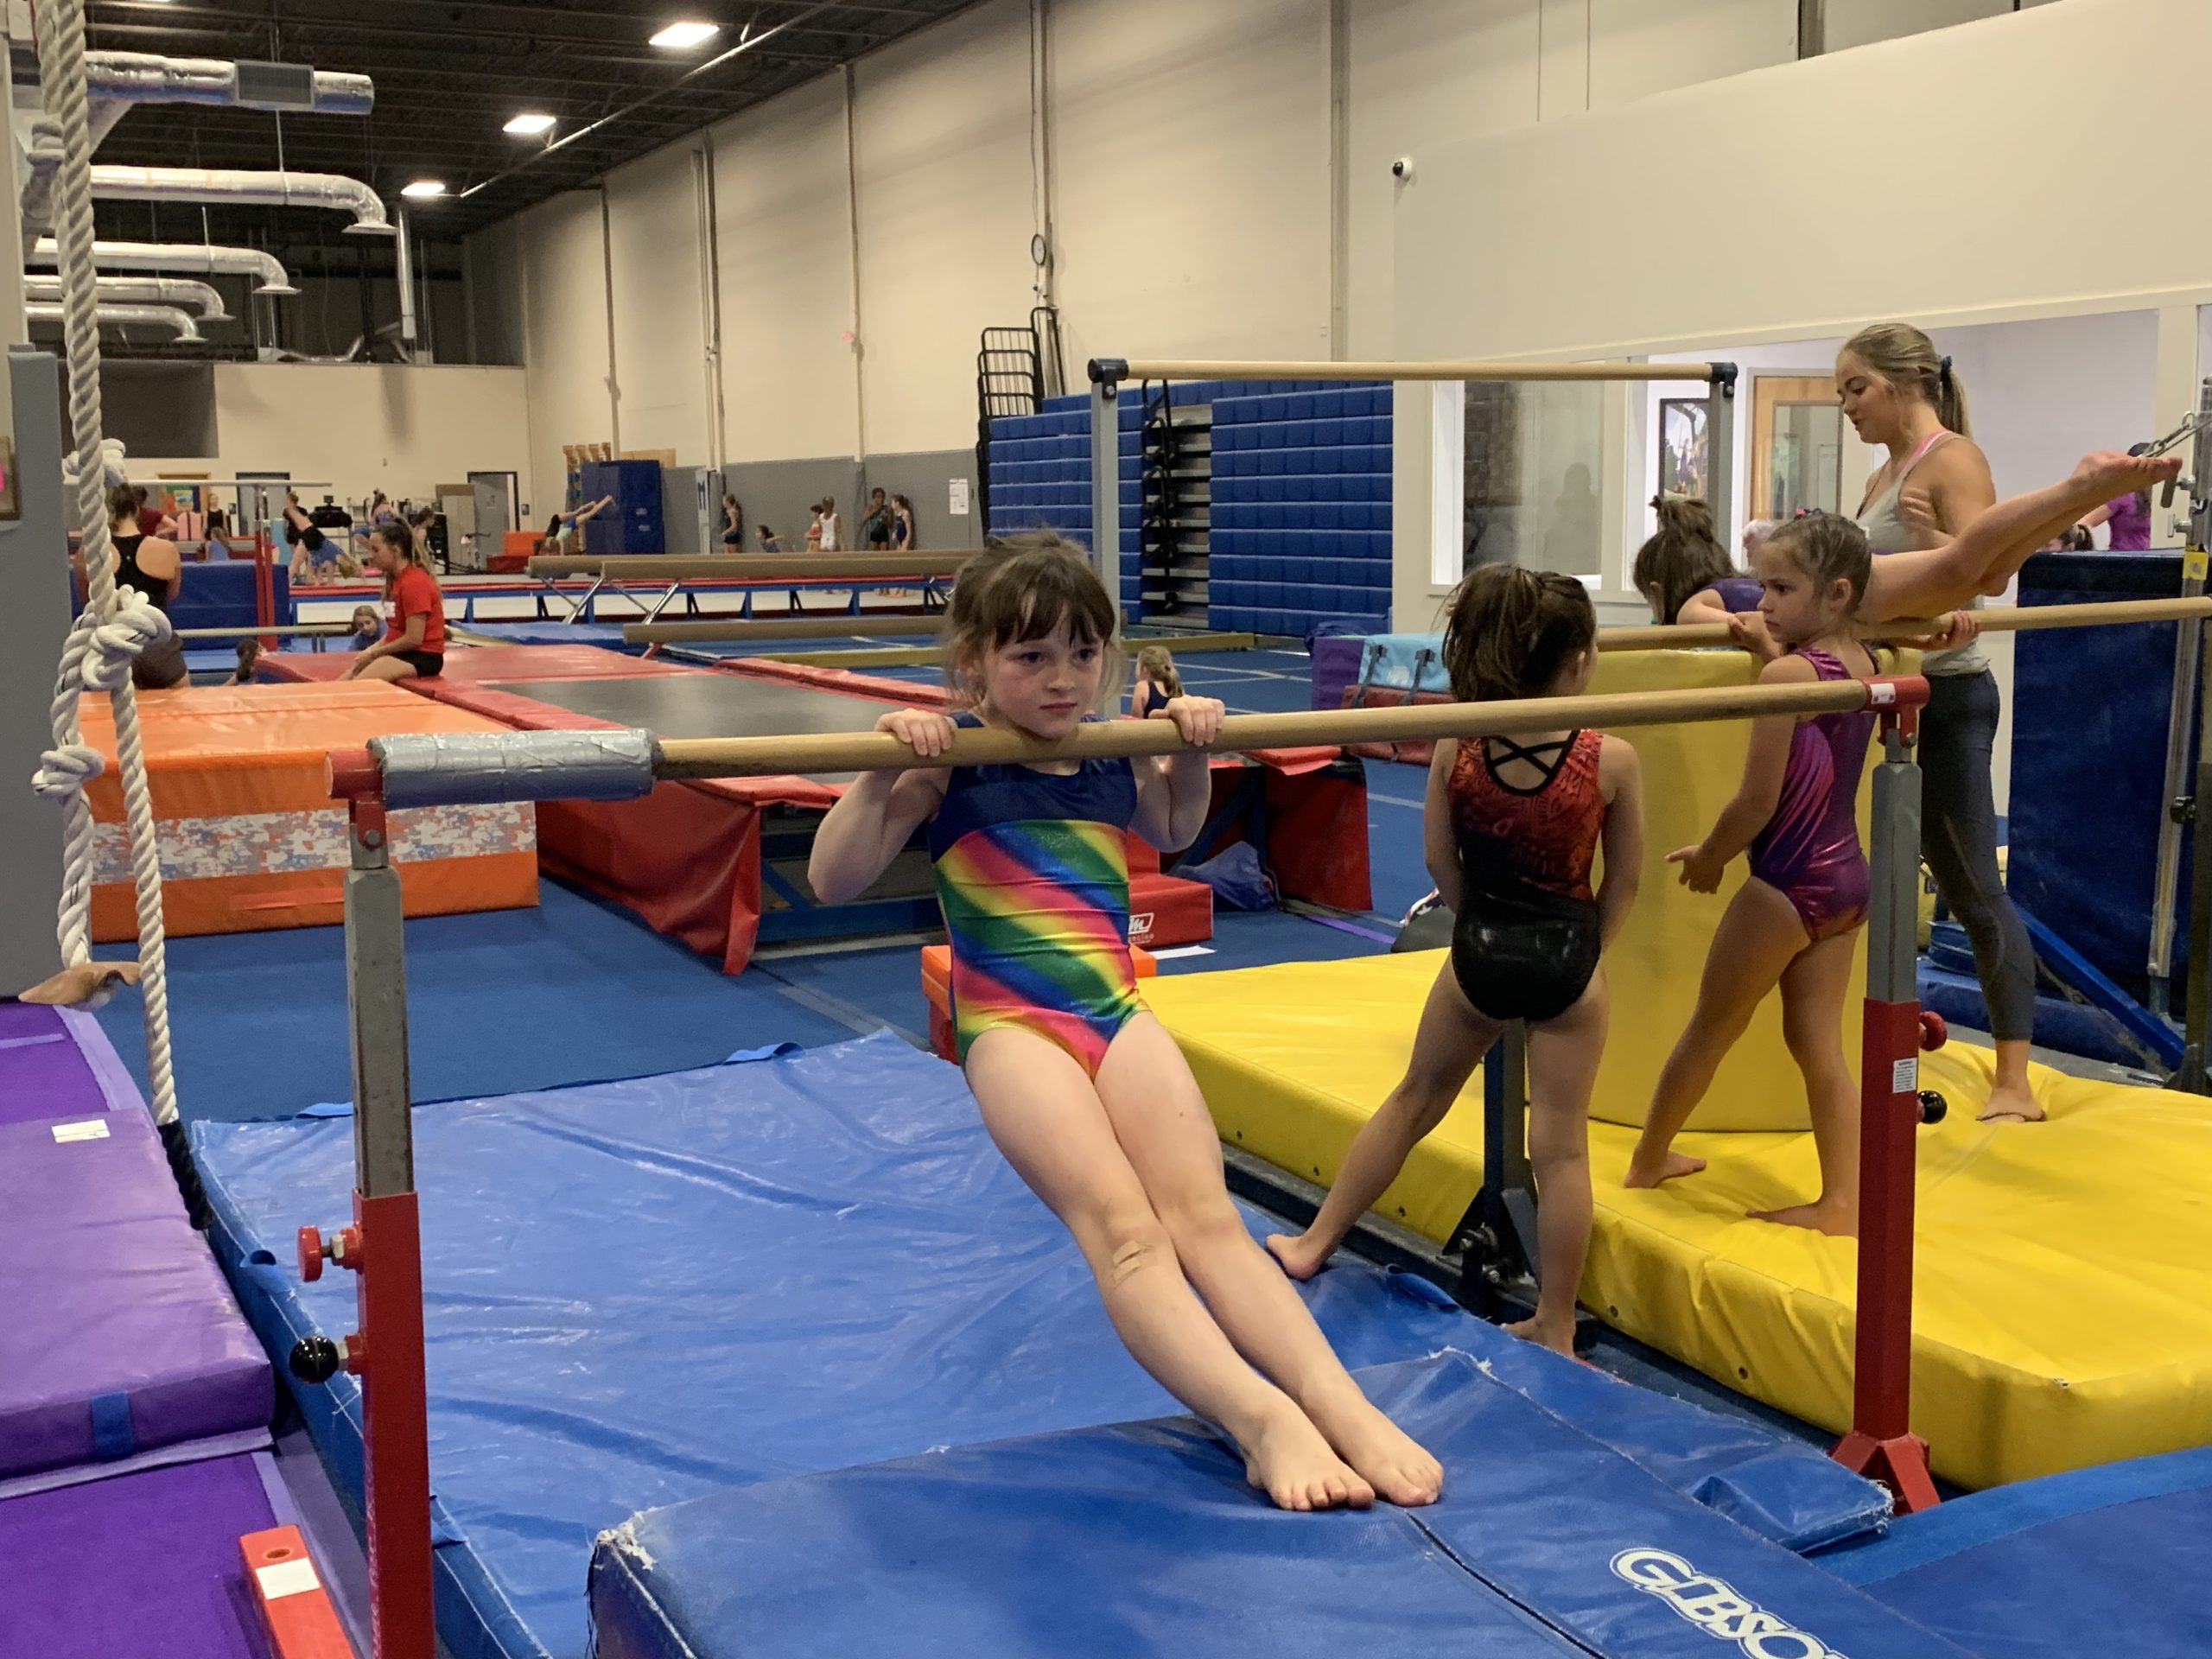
point(1513, 827)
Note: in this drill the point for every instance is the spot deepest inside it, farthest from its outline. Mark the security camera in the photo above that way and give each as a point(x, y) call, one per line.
point(1403, 169)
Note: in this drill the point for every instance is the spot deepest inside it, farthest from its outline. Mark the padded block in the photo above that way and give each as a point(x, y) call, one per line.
point(1147, 1538)
point(1167, 910)
point(2059, 1313)
point(90, 1219)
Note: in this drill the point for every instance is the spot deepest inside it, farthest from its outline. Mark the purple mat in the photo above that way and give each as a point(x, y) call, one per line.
point(57, 1063)
point(140, 1564)
point(1336, 665)
point(117, 1334)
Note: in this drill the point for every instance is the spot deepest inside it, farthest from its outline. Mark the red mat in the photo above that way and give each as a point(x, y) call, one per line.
point(496, 663)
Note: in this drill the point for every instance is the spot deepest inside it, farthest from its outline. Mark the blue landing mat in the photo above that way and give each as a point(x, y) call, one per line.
point(642, 1293)
point(1145, 1539)
point(2105, 1560)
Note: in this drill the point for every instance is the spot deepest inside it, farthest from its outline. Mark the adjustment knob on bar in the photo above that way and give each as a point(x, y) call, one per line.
point(317, 1359)
point(1933, 1107)
point(343, 1246)
point(1934, 1033)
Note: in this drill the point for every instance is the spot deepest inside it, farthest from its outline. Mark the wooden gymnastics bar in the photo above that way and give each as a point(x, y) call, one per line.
point(1107, 371)
point(743, 757)
point(807, 625)
point(917, 656)
point(255, 631)
point(753, 567)
point(2007, 619)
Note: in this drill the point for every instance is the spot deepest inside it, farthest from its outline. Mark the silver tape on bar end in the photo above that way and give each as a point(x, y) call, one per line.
point(466, 768)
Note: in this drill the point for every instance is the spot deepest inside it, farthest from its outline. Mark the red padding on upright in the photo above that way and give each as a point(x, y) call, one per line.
point(295, 1606)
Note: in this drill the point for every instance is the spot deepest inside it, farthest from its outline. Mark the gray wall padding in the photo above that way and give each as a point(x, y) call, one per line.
point(780, 492)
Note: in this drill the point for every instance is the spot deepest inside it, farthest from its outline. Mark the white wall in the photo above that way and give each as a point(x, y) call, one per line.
point(653, 237)
point(944, 220)
point(565, 339)
point(364, 426)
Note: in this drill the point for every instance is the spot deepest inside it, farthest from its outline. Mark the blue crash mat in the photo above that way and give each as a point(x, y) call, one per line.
point(1146, 1539)
point(644, 1292)
point(2106, 1560)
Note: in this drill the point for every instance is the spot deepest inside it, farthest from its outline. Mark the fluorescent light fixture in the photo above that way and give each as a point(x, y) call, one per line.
point(529, 125)
point(423, 188)
point(681, 37)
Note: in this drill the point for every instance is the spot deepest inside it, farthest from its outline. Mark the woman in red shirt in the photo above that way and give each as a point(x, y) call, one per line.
point(413, 642)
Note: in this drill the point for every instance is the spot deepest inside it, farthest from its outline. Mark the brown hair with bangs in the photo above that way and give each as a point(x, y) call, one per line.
point(1023, 588)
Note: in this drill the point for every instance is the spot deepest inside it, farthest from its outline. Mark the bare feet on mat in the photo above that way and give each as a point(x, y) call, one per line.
point(1299, 1258)
point(1545, 1333)
point(2011, 1105)
point(86, 985)
point(1384, 1455)
point(1665, 1167)
point(1289, 1460)
point(1829, 1216)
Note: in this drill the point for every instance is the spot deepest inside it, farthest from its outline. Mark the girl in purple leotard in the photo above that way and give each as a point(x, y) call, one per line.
point(1792, 922)
point(1683, 572)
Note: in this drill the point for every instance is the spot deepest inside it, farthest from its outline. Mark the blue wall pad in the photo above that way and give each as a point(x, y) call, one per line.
point(642, 1293)
point(2104, 1560)
point(1145, 1539)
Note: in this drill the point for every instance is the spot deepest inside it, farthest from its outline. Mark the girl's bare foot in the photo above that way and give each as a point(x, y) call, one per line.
point(1642, 1172)
point(1556, 1335)
point(1830, 1216)
point(1384, 1455)
point(1289, 1460)
point(1301, 1259)
point(2011, 1105)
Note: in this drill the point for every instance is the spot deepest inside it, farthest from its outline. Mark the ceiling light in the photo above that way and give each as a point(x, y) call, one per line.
point(425, 188)
point(528, 126)
point(679, 37)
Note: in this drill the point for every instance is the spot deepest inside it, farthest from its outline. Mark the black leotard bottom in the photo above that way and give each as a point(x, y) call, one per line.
point(1520, 952)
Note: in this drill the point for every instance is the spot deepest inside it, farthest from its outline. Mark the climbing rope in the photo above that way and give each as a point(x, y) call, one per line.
point(118, 623)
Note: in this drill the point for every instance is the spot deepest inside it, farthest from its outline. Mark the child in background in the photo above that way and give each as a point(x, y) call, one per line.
point(1511, 827)
point(249, 654)
point(368, 628)
point(1683, 572)
point(814, 528)
point(1085, 1091)
point(770, 542)
point(1158, 683)
point(902, 524)
point(1793, 921)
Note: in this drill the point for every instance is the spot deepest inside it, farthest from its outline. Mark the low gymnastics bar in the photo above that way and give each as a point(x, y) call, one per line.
point(382, 1243)
point(257, 630)
point(1110, 374)
point(800, 625)
point(751, 567)
point(2007, 618)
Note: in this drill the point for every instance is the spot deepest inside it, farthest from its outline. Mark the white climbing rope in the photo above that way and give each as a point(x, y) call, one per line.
point(118, 623)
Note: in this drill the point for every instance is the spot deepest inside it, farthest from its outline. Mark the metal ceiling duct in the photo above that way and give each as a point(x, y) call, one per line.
point(196, 296)
point(272, 276)
point(236, 186)
point(119, 316)
point(146, 77)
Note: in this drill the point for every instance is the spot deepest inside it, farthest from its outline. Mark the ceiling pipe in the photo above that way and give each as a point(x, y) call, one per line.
point(197, 296)
point(270, 276)
point(147, 77)
point(117, 316)
point(234, 186)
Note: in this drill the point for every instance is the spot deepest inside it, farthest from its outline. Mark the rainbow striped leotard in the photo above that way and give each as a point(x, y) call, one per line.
point(1033, 878)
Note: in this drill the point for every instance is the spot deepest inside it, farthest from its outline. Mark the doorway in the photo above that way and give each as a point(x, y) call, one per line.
point(1796, 446)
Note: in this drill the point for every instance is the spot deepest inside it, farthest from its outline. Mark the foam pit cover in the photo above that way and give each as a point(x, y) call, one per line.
point(118, 1335)
point(57, 1063)
point(1146, 1539)
point(644, 1292)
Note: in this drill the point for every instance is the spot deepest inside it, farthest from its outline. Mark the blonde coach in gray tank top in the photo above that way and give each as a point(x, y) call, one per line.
point(1897, 391)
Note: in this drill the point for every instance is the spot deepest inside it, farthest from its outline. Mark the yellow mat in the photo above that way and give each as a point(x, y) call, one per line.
point(2064, 1308)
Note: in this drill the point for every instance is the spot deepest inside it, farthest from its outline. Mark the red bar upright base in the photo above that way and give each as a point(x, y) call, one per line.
point(1901, 1465)
point(297, 1611)
point(396, 1450)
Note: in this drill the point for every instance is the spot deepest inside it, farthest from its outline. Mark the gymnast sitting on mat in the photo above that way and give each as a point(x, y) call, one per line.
point(1079, 1086)
point(1683, 572)
point(1158, 683)
point(413, 642)
point(1511, 827)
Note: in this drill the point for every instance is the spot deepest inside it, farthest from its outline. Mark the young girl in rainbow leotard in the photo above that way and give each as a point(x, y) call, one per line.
point(1794, 921)
point(1082, 1089)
